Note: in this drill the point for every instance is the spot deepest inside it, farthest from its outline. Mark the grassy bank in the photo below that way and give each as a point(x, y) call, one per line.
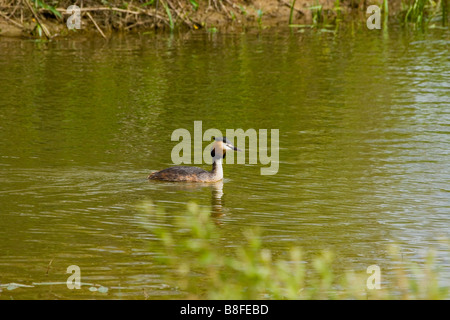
point(48, 18)
point(202, 268)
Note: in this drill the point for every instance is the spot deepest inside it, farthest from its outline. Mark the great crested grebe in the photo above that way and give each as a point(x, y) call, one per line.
point(183, 173)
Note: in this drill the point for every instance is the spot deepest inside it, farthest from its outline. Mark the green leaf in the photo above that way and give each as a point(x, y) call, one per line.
point(169, 14)
point(194, 4)
point(43, 5)
point(39, 29)
point(147, 3)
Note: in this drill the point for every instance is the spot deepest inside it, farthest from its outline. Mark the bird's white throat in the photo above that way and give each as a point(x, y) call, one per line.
point(217, 167)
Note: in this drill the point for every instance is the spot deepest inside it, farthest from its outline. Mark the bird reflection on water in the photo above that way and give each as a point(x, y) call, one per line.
point(217, 209)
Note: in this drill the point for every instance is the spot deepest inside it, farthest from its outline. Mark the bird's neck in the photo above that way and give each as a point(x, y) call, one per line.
point(217, 168)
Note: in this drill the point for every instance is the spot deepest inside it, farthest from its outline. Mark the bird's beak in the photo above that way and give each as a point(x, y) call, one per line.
point(229, 146)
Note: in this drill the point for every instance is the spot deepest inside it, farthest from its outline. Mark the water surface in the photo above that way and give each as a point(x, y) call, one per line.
point(364, 122)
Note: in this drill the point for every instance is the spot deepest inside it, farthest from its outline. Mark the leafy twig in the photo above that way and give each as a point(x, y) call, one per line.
point(38, 20)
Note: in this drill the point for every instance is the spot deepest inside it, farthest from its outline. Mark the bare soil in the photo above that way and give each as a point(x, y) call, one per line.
point(17, 18)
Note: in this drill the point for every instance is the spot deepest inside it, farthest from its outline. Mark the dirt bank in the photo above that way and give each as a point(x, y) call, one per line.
point(49, 18)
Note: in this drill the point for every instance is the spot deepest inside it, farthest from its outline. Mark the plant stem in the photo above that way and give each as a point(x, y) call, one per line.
point(291, 14)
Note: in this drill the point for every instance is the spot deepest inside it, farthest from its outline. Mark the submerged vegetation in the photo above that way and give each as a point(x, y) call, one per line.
point(47, 18)
point(192, 247)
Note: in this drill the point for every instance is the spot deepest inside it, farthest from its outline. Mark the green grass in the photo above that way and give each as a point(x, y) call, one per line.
point(291, 13)
point(317, 14)
point(421, 12)
point(191, 246)
point(41, 4)
point(169, 15)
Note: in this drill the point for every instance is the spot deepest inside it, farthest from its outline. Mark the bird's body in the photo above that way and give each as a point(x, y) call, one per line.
point(195, 174)
point(182, 173)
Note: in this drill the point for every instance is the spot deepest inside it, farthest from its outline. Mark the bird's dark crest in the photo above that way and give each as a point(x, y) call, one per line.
point(223, 139)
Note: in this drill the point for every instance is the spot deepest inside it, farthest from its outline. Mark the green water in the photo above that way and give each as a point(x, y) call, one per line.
point(364, 123)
